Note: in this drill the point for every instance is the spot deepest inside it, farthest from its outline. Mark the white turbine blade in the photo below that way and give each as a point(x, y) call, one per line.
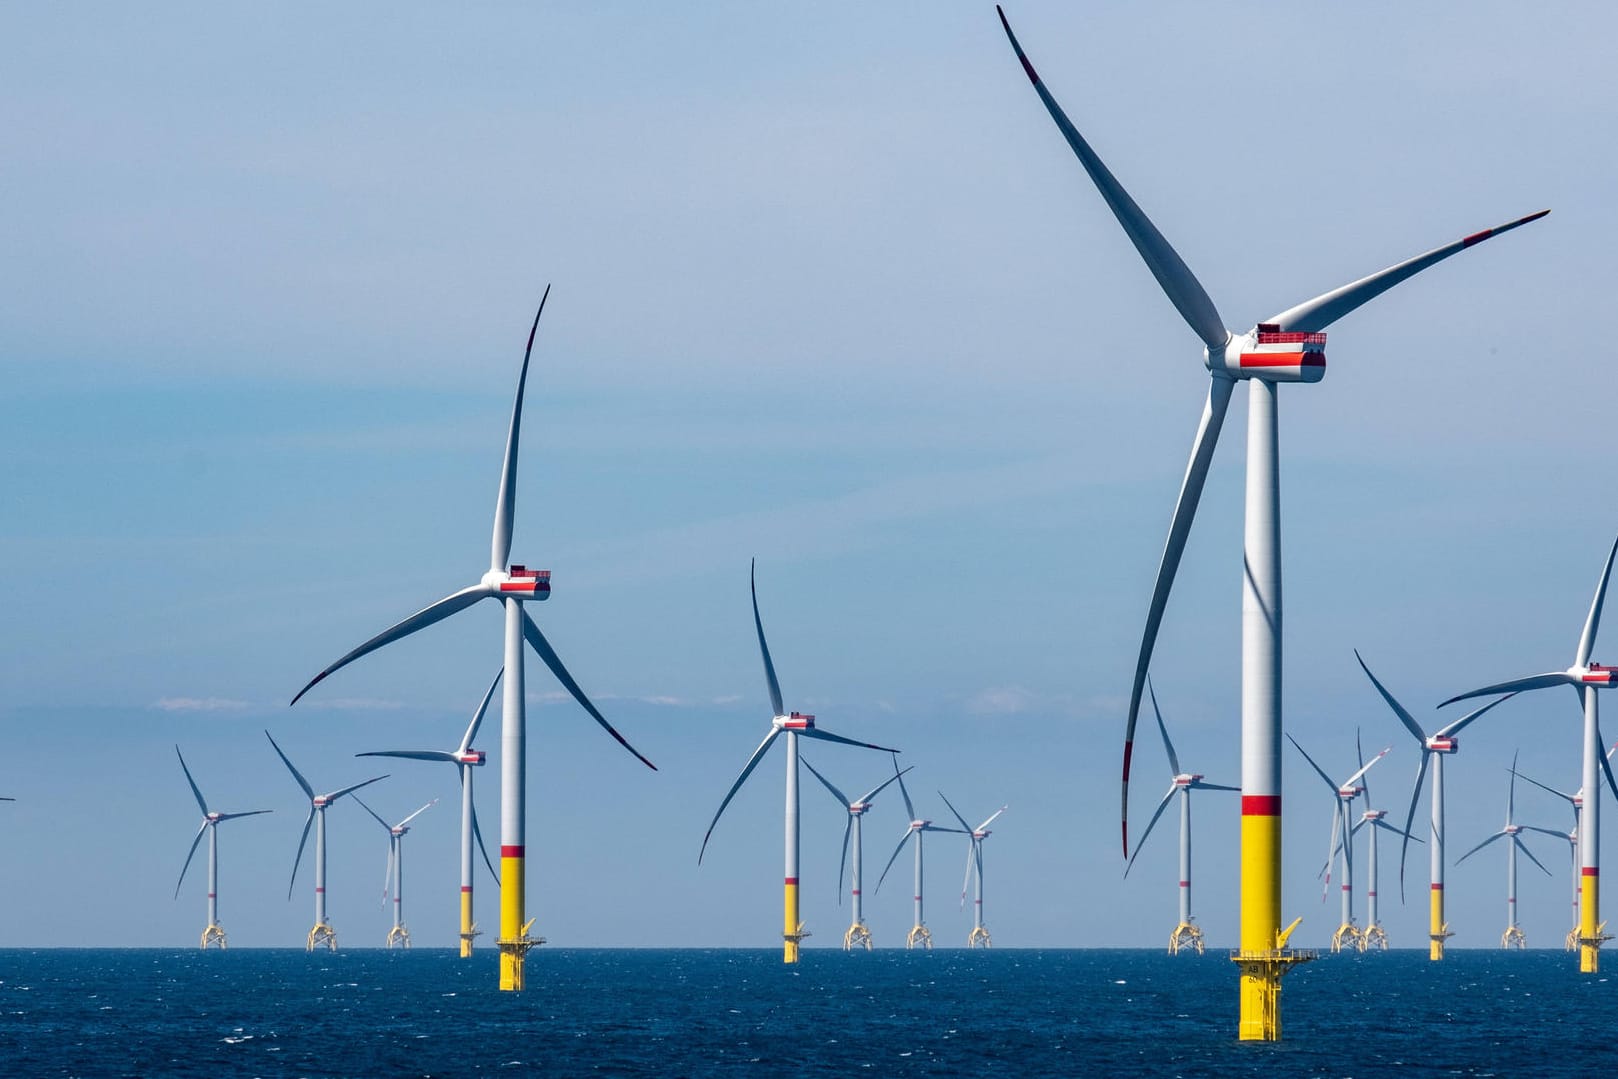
point(477, 717)
point(893, 857)
point(1546, 831)
point(984, 826)
point(477, 833)
point(747, 770)
point(411, 754)
point(1450, 729)
point(1149, 826)
point(876, 790)
point(1398, 709)
point(332, 797)
point(436, 612)
point(1384, 824)
point(188, 856)
point(1481, 845)
point(966, 881)
point(1173, 276)
point(202, 803)
point(764, 648)
point(302, 782)
point(1185, 510)
point(505, 506)
point(233, 816)
point(827, 736)
point(374, 815)
point(910, 810)
point(1168, 746)
point(953, 810)
point(1606, 763)
point(1511, 790)
point(1415, 795)
point(1315, 315)
point(1204, 785)
point(1349, 782)
point(1359, 755)
point(1566, 797)
point(307, 821)
point(939, 828)
point(537, 641)
point(416, 814)
point(1524, 848)
point(842, 864)
point(1319, 771)
point(387, 874)
point(842, 799)
point(1592, 623)
point(1331, 846)
point(1516, 685)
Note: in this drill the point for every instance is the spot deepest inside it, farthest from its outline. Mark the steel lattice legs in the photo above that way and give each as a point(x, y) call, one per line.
point(322, 936)
point(1513, 938)
point(979, 938)
point(1374, 937)
point(1347, 937)
point(399, 936)
point(1187, 936)
point(214, 937)
point(858, 936)
point(919, 938)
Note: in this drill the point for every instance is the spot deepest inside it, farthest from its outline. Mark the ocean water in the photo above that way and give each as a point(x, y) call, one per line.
point(695, 1013)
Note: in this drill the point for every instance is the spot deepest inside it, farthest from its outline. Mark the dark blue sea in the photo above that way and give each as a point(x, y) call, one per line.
point(695, 1013)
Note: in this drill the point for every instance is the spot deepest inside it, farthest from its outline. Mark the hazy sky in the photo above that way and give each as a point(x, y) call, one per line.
point(829, 290)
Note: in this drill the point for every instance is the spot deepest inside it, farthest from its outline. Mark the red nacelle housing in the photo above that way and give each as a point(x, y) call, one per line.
point(1285, 357)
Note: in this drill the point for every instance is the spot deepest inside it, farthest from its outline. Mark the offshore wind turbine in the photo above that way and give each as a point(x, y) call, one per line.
point(919, 933)
point(1374, 935)
point(1287, 347)
point(511, 585)
point(214, 935)
point(322, 935)
point(1348, 934)
point(1435, 748)
point(858, 935)
point(1585, 677)
point(1187, 934)
point(465, 758)
point(979, 937)
point(794, 724)
point(1512, 832)
point(394, 878)
point(1575, 801)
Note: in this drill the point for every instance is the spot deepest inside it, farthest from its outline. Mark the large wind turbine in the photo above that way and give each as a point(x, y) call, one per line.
point(979, 937)
point(1348, 934)
point(1512, 832)
point(394, 878)
point(794, 724)
point(919, 933)
point(858, 935)
point(214, 935)
point(465, 758)
point(1287, 347)
point(322, 935)
point(1442, 742)
point(1585, 677)
point(510, 585)
point(1188, 934)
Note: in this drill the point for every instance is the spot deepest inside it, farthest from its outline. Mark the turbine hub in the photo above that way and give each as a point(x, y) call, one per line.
point(471, 756)
point(519, 582)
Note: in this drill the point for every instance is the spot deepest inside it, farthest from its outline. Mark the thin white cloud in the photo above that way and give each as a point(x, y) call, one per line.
point(362, 704)
point(199, 704)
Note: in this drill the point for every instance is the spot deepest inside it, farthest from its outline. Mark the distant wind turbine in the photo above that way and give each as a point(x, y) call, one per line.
point(858, 935)
point(214, 935)
point(979, 937)
point(1512, 832)
point(1348, 934)
point(394, 878)
point(919, 934)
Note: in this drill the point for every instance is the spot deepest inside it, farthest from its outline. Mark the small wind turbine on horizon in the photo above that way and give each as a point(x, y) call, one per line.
point(394, 878)
point(858, 934)
point(510, 585)
point(1575, 801)
point(1288, 347)
point(919, 933)
point(1512, 832)
point(1435, 748)
point(1187, 934)
point(793, 724)
point(979, 937)
point(322, 935)
point(465, 758)
point(1586, 678)
point(1348, 934)
point(214, 935)
point(1374, 935)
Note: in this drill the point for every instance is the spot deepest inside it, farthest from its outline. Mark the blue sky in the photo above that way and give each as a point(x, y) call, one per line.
point(830, 291)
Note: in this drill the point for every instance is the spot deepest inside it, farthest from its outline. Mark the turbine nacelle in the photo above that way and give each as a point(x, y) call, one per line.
point(1269, 353)
point(1348, 794)
point(1596, 675)
point(471, 756)
point(797, 721)
point(519, 582)
point(1187, 780)
point(1437, 744)
point(919, 825)
point(1372, 815)
point(213, 818)
point(858, 808)
point(320, 801)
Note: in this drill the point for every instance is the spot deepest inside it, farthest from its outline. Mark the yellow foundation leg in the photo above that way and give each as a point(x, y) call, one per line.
point(1437, 929)
point(1264, 957)
point(514, 940)
point(1591, 932)
point(791, 929)
point(468, 928)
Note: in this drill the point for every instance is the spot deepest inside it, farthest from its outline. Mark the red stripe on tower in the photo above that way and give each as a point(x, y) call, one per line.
point(466, 887)
point(1438, 887)
point(1261, 805)
point(1590, 871)
point(792, 880)
point(511, 850)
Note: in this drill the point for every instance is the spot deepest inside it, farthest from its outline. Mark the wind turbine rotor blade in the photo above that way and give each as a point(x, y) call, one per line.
point(1185, 510)
point(1480, 846)
point(1359, 754)
point(477, 833)
point(1592, 623)
point(307, 821)
point(1384, 824)
point(1524, 848)
point(1164, 804)
point(827, 736)
point(1331, 847)
point(477, 717)
point(1204, 785)
point(1398, 709)
point(763, 647)
point(747, 770)
point(1606, 767)
point(189, 855)
point(417, 813)
point(537, 641)
point(202, 803)
point(233, 816)
point(894, 857)
point(1516, 685)
point(1324, 778)
point(910, 810)
point(876, 790)
point(330, 798)
point(1410, 817)
point(423, 618)
point(1566, 797)
point(1511, 790)
point(1315, 315)
point(1455, 728)
point(302, 782)
point(1179, 284)
point(842, 799)
point(966, 881)
point(1168, 746)
point(387, 874)
point(842, 864)
point(1544, 831)
point(955, 812)
point(374, 815)
point(997, 813)
point(411, 754)
point(1351, 780)
point(505, 506)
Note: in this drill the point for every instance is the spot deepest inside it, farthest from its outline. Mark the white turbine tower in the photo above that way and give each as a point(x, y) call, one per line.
point(793, 724)
point(511, 586)
point(1585, 677)
point(1188, 934)
point(1512, 832)
point(919, 933)
point(394, 878)
point(979, 937)
point(1348, 934)
point(858, 935)
point(1374, 935)
point(465, 758)
point(1442, 742)
point(322, 935)
point(214, 935)
point(1287, 347)
point(1575, 801)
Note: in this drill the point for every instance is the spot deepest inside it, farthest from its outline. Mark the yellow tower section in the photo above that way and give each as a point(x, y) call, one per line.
point(1263, 957)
